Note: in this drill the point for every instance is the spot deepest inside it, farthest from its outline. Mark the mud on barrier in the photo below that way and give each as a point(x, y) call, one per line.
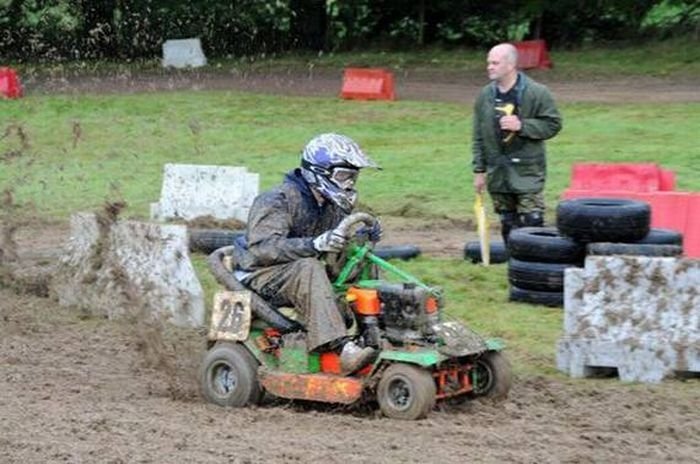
point(638, 315)
point(116, 268)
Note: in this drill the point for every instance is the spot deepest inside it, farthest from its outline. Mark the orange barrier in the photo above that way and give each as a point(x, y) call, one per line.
point(533, 54)
point(632, 177)
point(368, 84)
point(9, 83)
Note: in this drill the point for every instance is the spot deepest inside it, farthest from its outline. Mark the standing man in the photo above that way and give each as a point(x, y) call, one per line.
point(513, 116)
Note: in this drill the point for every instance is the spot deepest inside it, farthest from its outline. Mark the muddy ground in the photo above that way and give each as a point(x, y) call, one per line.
point(81, 389)
point(426, 85)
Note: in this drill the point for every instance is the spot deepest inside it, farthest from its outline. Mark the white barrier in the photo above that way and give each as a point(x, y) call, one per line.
point(191, 191)
point(183, 53)
point(636, 314)
point(119, 268)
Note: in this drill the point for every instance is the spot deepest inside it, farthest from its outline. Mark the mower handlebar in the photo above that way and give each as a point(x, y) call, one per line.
point(356, 218)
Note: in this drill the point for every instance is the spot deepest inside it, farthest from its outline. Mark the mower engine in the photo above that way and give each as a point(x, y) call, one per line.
point(403, 312)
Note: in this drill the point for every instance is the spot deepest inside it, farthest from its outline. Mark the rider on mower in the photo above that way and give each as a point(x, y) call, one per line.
point(294, 225)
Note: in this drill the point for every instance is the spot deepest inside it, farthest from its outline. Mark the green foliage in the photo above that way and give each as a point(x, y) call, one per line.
point(672, 17)
point(349, 22)
point(70, 29)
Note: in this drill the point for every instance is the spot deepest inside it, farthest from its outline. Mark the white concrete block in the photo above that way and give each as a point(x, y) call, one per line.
point(640, 315)
point(115, 269)
point(183, 53)
point(191, 191)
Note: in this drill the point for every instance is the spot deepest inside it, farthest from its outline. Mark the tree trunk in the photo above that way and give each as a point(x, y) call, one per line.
point(421, 23)
point(310, 24)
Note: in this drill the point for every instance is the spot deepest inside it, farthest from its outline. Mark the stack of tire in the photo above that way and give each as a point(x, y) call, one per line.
point(614, 226)
point(538, 258)
point(585, 226)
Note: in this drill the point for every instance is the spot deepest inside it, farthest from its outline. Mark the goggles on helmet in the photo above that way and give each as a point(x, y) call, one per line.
point(344, 178)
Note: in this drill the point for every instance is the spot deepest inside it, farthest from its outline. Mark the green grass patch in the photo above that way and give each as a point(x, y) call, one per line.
point(76, 152)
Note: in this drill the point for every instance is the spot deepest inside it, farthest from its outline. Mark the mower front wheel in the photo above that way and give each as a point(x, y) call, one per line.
point(492, 375)
point(229, 376)
point(406, 392)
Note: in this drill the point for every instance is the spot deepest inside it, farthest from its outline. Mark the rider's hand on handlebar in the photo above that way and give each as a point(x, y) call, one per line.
point(373, 232)
point(330, 241)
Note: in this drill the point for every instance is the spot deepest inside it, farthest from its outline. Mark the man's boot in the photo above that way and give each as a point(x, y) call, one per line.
point(353, 358)
point(531, 219)
point(509, 221)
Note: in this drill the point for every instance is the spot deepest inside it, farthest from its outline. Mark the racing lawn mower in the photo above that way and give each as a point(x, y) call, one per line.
point(421, 357)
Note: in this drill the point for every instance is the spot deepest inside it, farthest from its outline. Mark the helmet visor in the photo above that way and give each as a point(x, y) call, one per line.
point(344, 178)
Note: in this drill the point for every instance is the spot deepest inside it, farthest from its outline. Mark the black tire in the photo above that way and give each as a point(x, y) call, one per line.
point(633, 249)
point(545, 245)
point(498, 253)
point(404, 252)
point(658, 236)
point(207, 240)
point(552, 299)
point(494, 376)
point(406, 392)
point(603, 219)
point(529, 275)
point(229, 376)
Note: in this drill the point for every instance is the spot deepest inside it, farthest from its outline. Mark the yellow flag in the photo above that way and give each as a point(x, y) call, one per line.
point(482, 224)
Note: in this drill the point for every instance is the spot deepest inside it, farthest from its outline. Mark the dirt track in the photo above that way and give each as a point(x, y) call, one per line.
point(86, 390)
point(75, 388)
point(442, 86)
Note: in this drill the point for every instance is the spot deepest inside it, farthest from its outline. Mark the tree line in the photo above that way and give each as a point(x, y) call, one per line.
point(126, 29)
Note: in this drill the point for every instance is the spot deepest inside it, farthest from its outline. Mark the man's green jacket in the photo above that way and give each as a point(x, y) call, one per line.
point(518, 166)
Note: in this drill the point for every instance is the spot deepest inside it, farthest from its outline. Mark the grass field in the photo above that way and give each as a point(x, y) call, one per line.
point(77, 151)
point(61, 154)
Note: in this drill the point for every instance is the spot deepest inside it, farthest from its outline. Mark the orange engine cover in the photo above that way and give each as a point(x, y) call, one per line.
point(366, 301)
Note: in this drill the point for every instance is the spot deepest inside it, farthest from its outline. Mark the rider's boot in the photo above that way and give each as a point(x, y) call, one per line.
point(353, 357)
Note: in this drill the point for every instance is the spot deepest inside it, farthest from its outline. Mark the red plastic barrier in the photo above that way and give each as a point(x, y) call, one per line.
point(9, 83)
point(667, 180)
point(533, 54)
point(669, 210)
point(632, 177)
point(691, 236)
point(582, 193)
point(368, 84)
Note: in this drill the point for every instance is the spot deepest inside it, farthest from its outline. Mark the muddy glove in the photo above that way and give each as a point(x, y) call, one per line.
point(373, 232)
point(330, 241)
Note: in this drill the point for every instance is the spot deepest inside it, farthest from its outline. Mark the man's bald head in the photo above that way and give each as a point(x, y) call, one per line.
point(507, 51)
point(502, 63)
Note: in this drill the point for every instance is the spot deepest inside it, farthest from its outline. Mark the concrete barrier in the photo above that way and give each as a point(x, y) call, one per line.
point(183, 53)
point(123, 268)
point(638, 315)
point(190, 191)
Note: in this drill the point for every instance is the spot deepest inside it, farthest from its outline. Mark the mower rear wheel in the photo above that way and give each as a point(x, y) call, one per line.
point(229, 376)
point(406, 392)
point(492, 375)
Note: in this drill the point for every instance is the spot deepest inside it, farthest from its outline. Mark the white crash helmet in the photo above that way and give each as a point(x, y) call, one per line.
point(331, 164)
